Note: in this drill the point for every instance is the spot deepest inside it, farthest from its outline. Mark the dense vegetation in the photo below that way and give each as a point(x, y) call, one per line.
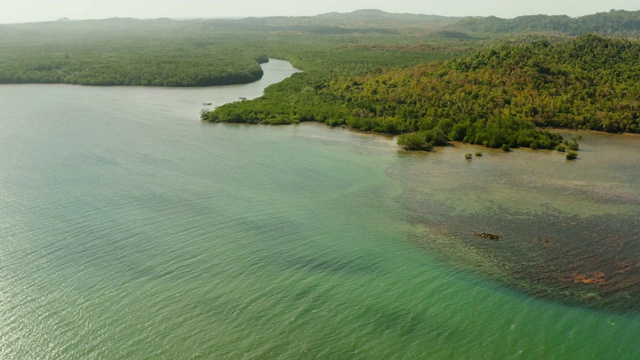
point(495, 97)
point(123, 52)
point(367, 70)
point(615, 22)
point(164, 52)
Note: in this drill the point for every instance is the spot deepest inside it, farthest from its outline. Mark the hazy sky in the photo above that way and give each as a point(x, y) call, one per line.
point(13, 11)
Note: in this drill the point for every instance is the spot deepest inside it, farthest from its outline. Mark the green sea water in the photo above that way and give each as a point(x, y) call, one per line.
point(131, 230)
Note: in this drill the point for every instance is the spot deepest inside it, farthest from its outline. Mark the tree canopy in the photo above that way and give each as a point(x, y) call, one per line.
point(123, 52)
point(614, 22)
point(499, 95)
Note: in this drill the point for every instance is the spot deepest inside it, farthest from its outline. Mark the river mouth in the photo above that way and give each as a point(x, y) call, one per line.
point(562, 231)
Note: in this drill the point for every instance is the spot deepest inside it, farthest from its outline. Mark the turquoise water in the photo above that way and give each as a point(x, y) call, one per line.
point(132, 230)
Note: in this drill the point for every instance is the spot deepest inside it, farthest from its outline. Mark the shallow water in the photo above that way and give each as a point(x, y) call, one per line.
point(132, 230)
point(570, 230)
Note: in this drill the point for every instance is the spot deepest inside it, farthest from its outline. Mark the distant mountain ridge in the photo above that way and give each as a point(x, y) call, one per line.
point(375, 14)
point(614, 22)
point(369, 20)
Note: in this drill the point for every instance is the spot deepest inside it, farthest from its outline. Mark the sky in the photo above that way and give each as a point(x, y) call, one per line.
point(18, 11)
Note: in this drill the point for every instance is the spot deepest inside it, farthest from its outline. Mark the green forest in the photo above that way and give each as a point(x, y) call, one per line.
point(123, 52)
point(497, 96)
point(613, 23)
point(430, 79)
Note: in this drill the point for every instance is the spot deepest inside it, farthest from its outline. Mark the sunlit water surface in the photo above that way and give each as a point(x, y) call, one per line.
point(129, 229)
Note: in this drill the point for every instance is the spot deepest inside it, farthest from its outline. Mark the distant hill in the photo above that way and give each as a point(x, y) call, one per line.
point(382, 18)
point(73, 30)
point(614, 22)
point(335, 23)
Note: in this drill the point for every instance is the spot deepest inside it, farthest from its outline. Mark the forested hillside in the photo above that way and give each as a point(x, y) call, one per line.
point(166, 52)
point(615, 22)
point(494, 97)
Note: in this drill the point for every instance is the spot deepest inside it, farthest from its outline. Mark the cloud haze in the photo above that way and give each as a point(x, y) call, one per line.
point(46, 10)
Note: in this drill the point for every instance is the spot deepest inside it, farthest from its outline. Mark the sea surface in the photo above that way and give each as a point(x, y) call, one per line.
point(131, 230)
